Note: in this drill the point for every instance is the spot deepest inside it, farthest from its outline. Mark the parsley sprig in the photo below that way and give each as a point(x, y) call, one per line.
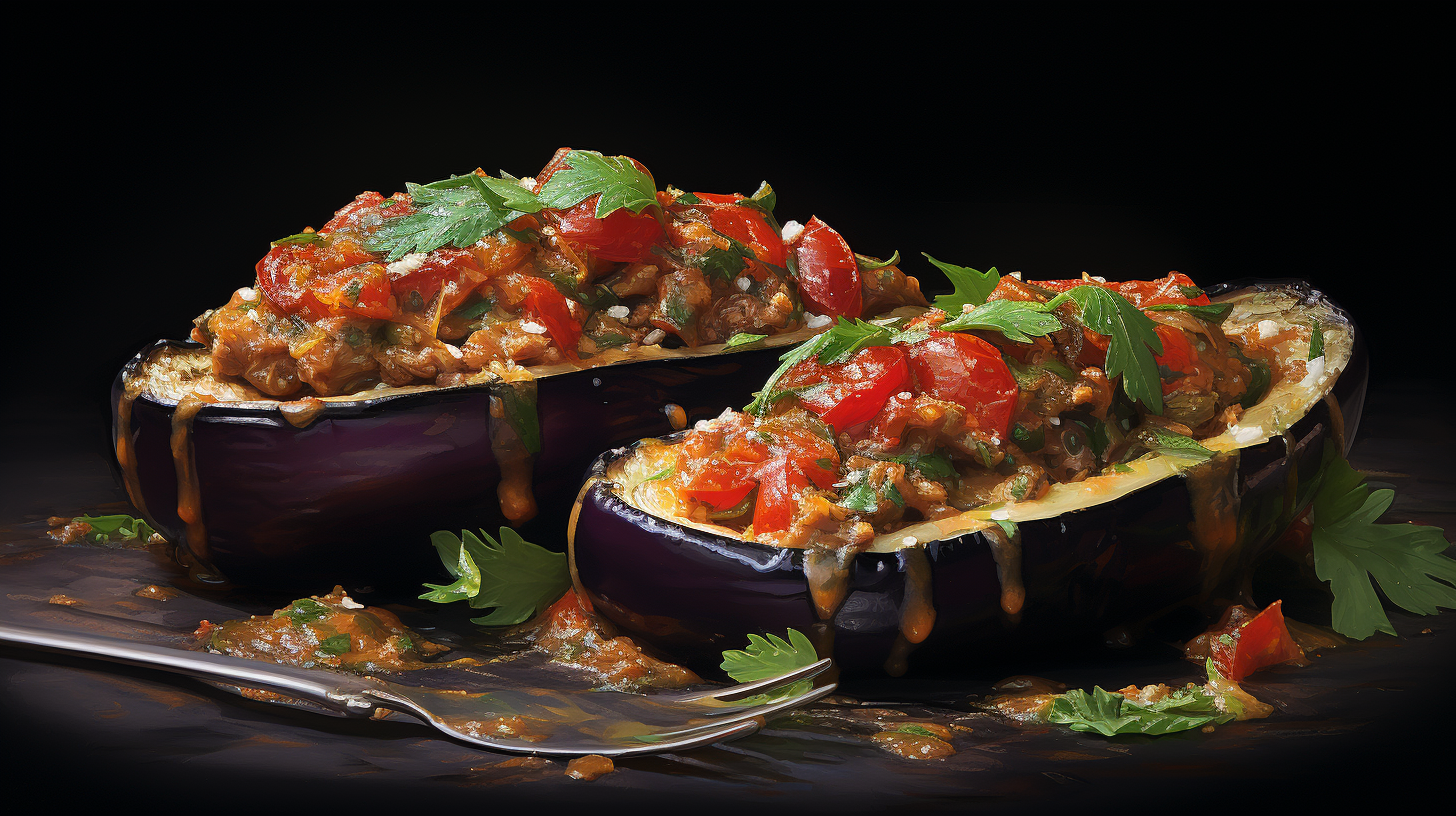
point(1133, 340)
point(457, 211)
point(1110, 714)
point(837, 344)
point(971, 286)
point(1351, 551)
point(513, 575)
point(615, 178)
point(770, 657)
point(1018, 320)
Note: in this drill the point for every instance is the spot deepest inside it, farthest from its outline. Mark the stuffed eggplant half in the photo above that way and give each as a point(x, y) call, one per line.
point(444, 357)
point(1057, 452)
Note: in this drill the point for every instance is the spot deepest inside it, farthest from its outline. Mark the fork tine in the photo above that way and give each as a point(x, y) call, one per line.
point(721, 733)
point(753, 713)
point(742, 690)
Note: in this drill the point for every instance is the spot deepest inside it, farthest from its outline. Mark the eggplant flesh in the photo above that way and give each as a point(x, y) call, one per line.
point(281, 494)
point(1109, 550)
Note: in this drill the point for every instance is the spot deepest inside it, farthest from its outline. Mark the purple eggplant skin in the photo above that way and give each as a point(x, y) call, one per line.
point(692, 594)
point(354, 495)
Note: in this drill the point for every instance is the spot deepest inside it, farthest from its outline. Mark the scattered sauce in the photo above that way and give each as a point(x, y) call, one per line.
point(156, 593)
point(125, 452)
point(65, 600)
point(1024, 698)
point(324, 631)
point(1214, 500)
point(676, 416)
point(528, 729)
point(589, 767)
point(574, 636)
point(1006, 550)
point(914, 746)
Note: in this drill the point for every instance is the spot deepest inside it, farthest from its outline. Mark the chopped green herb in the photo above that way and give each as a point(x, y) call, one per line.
point(1029, 440)
point(1190, 292)
point(335, 645)
point(1017, 320)
point(470, 311)
point(300, 239)
point(987, 458)
point(1161, 440)
point(661, 474)
point(1110, 714)
point(868, 264)
point(912, 728)
point(1213, 312)
point(304, 610)
point(861, 498)
point(893, 494)
point(609, 340)
point(971, 286)
point(744, 339)
point(931, 466)
point(1019, 485)
point(724, 264)
point(1316, 340)
point(116, 528)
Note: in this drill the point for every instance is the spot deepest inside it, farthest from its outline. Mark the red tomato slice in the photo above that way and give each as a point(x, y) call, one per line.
point(545, 303)
point(418, 289)
point(720, 485)
point(284, 274)
point(828, 273)
point(1177, 354)
point(968, 371)
point(779, 486)
point(622, 236)
point(745, 225)
point(848, 393)
point(1263, 641)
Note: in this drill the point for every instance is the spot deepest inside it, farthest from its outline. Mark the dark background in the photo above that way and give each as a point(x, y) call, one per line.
point(159, 155)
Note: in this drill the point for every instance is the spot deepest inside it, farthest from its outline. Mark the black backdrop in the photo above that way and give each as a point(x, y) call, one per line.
point(159, 153)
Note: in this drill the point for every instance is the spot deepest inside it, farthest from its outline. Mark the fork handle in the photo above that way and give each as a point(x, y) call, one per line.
point(346, 694)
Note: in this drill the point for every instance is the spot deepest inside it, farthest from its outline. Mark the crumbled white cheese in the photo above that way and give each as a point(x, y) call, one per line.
point(253, 315)
point(350, 603)
point(1016, 274)
point(1267, 329)
point(405, 265)
point(814, 321)
point(1314, 372)
point(1001, 514)
point(455, 351)
point(905, 395)
point(533, 327)
point(248, 294)
point(1244, 435)
point(743, 284)
point(527, 182)
point(909, 541)
point(654, 337)
point(618, 312)
point(855, 476)
point(791, 231)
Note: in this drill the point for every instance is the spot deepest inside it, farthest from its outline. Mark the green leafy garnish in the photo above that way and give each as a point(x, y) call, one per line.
point(1213, 312)
point(769, 658)
point(868, 264)
point(619, 183)
point(116, 528)
point(912, 728)
point(724, 264)
point(1133, 345)
point(470, 311)
point(1350, 549)
point(335, 645)
point(300, 239)
point(1018, 320)
point(1162, 440)
point(861, 498)
point(609, 340)
point(931, 466)
point(1316, 340)
point(1259, 378)
point(516, 577)
point(1110, 714)
point(457, 211)
point(971, 286)
point(1031, 441)
point(304, 610)
point(893, 494)
point(661, 474)
point(764, 200)
point(744, 339)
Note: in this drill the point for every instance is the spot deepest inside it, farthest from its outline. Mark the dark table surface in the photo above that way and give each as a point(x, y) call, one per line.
point(1365, 724)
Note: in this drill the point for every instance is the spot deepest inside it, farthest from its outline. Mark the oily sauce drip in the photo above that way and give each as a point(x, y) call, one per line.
point(1214, 499)
point(1337, 421)
point(189, 493)
point(917, 614)
point(828, 581)
point(1006, 550)
point(509, 404)
point(125, 451)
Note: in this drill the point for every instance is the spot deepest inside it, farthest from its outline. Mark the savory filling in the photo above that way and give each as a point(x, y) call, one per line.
point(874, 426)
point(477, 273)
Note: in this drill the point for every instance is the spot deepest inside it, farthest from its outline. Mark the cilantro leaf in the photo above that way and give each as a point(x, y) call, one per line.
point(1133, 340)
point(457, 211)
point(971, 287)
point(1350, 550)
point(769, 658)
point(1018, 320)
point(516, 577)
point(1110, 714)
point(615, 178)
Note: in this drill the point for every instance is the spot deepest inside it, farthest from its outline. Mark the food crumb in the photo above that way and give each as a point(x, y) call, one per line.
point(64, 600)
point(589, 767)
point(1207, 729)
point(155, 592)
point(522, 762)
point(1426, 631)
point(913, 746)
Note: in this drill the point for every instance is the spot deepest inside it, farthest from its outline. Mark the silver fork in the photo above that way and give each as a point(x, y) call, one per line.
point(527, 721)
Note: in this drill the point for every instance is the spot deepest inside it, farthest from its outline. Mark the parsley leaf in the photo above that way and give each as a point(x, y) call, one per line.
point(457, 211)
point(769, 658)
point(1133, 340)
point(615, 178)
point(516, 577)
point(861, 498)
point(971, 287)
point(336, 645)
point(931, 466)
point(1018, 320)
point(724, 264)
point(1350, 549)
point(1212, 312)
point(303, 610)
point(1110, 714)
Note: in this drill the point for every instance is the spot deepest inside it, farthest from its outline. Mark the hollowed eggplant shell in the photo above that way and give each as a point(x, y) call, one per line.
point(355, 494)
point(692, 594)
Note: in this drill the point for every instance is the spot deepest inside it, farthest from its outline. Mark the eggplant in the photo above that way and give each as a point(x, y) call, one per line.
point(349, 488)
point(1115, 548)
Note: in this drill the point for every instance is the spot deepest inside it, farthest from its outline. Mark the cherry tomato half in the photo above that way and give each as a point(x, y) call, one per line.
point(1263, 641)
point(851, 392)
point(828, 272)
point(968, 371)
point(545, 303)
point(1177, 354)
